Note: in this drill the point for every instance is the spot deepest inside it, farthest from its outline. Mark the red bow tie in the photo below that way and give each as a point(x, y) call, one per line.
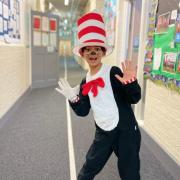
point(92, 86)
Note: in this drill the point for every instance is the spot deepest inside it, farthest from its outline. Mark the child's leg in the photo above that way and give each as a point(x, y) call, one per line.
point(127, 151)
point(97, 156)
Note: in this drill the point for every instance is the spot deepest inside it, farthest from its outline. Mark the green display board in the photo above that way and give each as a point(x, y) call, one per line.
point(166, 59)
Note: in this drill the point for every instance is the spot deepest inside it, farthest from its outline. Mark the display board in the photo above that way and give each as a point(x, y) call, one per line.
point(162, 62)
point(10, 21)
point(166, 54)
point(110, 20)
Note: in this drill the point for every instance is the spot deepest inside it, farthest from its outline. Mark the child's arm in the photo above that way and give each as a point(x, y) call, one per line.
point(81, 105)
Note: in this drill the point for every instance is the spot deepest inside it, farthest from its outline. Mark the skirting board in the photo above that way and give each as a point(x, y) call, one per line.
point(166, 160)
point(13, 108)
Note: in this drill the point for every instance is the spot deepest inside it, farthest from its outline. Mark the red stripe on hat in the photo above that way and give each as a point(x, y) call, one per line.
point(91, 29)
point(89, 16)
point(94, 40)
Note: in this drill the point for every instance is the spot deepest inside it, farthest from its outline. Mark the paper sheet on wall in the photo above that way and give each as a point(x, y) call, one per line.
point(1, 25)
point(174, 14)
point(37, 38)
point(5, 26)
point(157, 58)
point(45, 24)
point(5, 11)
point(1, 12)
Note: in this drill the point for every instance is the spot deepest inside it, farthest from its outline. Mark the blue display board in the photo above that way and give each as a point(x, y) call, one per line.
point(10, 21)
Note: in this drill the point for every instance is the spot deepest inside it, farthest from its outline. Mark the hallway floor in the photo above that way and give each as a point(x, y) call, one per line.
point(34, 142)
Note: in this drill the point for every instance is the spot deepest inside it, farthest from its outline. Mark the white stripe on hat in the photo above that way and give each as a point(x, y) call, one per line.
point(95, 36)
point(90, 36)
point(91, 23)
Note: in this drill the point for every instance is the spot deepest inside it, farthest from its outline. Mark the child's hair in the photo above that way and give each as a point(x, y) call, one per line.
point(102, 48)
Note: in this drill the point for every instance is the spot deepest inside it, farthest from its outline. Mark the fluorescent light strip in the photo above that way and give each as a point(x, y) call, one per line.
point(66, 2)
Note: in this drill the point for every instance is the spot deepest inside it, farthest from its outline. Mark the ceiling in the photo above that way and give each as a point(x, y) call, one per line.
point(74, 5)
point(167, 5)
point(68, 14)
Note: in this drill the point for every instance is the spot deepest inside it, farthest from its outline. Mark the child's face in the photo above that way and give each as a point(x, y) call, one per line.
point(93, 55)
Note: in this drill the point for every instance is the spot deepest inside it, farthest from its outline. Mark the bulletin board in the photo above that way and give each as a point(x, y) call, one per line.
point(110, 20)
point(10, 21)
point(162, 60)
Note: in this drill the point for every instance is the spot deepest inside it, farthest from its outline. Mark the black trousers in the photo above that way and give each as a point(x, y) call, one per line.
point(124, 143)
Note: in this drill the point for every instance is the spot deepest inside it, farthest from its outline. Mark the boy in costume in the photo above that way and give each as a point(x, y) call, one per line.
point(109, 92)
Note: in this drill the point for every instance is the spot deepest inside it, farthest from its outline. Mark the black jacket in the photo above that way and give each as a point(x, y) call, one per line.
point(124, 95)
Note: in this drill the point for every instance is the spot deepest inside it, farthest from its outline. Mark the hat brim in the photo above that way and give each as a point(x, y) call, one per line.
point(76, 49)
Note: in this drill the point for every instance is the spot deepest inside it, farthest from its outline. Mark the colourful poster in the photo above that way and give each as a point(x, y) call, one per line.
point(150, 38)
point(177, 30)
point(163, 23)
point(169, 62)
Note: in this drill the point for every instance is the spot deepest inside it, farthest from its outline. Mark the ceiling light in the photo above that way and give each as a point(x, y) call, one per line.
point(66, 2)
point(50, 6)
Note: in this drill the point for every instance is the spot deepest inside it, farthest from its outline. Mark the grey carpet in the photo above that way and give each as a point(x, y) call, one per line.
point(34, 145)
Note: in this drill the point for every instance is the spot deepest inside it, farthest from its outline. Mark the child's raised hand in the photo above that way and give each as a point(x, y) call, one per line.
point(66, 90)
point(129, 72)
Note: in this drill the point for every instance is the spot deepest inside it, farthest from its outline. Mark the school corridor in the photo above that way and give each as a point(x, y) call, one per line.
point(41, 41)
point(34, 138)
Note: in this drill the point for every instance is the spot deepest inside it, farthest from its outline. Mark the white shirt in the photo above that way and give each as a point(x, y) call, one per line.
point(104, 106)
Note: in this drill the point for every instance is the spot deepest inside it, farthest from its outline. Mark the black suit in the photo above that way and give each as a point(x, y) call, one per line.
point(124, 140)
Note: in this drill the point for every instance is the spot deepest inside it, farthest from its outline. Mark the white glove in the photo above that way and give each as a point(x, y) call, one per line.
point(67, 91)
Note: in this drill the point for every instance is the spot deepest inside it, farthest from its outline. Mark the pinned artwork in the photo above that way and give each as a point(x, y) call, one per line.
point(169, 62)
point(178, 64)
point(45, 24)
point(163, 23)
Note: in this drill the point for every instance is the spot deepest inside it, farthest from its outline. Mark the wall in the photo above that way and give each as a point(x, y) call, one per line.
point(68, 51)
point(15, 64)
point(14, 75)
point(162, 115)
point(162, 118)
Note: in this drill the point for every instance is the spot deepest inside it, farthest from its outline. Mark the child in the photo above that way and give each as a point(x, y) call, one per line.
point(109, 93)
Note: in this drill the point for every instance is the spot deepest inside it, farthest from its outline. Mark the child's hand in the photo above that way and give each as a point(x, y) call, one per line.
point(129, 72)
point(66, 90)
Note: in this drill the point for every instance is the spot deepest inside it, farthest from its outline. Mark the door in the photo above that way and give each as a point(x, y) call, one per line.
point(44, 49)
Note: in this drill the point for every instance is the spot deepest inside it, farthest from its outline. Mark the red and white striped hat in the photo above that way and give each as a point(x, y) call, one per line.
point(91, 32)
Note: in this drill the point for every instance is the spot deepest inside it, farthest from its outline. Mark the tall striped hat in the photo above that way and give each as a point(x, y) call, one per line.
point(91, 32)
